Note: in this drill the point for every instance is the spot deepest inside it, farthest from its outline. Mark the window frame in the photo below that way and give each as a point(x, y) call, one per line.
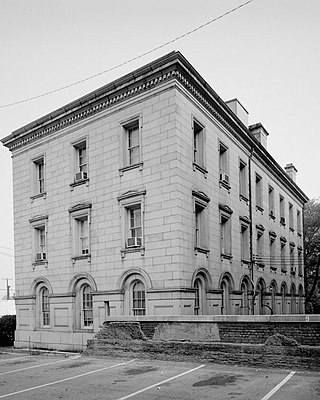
point(282, 210)
point(271, 204)
point(78, 215)
point(139, 300)
point(130, 201)
point(44, 307)
point(199, 145)
point(125, 148)
point(201, 229)
point(291, 222)
point(38, 188)
point(245, 242)
point(39, 226)
point(225, 224)
point(80, 169)
point(243, 180)
point(259, 192)
point(224, 168)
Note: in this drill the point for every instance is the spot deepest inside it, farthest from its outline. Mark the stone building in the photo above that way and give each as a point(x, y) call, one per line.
point(150, 196)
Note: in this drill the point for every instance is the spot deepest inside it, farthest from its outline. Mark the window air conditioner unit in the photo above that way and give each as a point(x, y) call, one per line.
point(224, 178)
point(134, 242)
point(40, 256)
point(80, 176)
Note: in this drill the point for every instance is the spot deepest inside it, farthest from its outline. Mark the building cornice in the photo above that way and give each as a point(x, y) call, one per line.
point(171, 67)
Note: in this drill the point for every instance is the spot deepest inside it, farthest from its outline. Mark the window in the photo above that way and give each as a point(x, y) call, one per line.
point(243, 180)
point(300, 262)
point(134, 226)
point(132, 212)
point(80, 224)
point(138, 298)
point(201, 201)
point(259, 199)
point(86, 306)
point(282, 213)
point(198, 145)
point(299, 223)
point(292, 259)
point(291, 227)
point(271, 202)
point(244, 237)
point(39, 243)
point(272, 248)
point(225, 231)
point(283, 255)
point(259, 248)
point(80, 161)
point(283, 293)
point(224, 165)
point(39, 188)
point(44, 306)
point(131, 144)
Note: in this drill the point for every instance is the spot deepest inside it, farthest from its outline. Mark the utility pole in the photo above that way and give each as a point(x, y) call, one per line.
point(8, 287)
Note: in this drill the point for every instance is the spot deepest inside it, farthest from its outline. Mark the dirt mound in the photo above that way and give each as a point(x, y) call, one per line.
point(121, 331)
point(280, 340)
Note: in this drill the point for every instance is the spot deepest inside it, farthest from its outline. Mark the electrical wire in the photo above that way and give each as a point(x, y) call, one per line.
point(130, 60)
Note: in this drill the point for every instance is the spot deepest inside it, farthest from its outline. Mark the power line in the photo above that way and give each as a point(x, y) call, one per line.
point(131, 59)
point(7, 248)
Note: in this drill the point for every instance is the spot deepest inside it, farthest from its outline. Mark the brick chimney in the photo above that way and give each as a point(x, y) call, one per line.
point(238, 110)
point(260, 133)
point(291, 171)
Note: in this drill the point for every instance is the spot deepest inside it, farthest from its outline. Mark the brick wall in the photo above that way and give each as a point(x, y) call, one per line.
point(286, 343)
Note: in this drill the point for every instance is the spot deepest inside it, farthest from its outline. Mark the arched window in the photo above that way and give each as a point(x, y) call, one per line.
point(198, 299)
point(245, 289)
point(138, 298)
point(44, 307)
point(273, 293)
point(226, 286)
point(300, 293)
point(86, 306)
point(293, 299)
point(260, 289)
point(283, 292)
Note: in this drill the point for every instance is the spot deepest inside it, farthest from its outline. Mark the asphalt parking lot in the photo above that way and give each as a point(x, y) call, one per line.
point(71, 377)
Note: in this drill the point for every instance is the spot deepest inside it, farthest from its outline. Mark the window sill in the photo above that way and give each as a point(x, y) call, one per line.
point(225, 185)
point(271, 216)
point(245, 262)
point(84, 329)
point(198, 249)
point(284, 272)
point(200, 168)
point(243, 198)
point(129, 167)
point(132, 250)
point(299, 234)
point(38, 196)
point(259, 208)
point(80, 182)
point(82, 257)
point(226, 256)
point(273, 269)
point(260, 266)
point(291, 230)
point(39, 263)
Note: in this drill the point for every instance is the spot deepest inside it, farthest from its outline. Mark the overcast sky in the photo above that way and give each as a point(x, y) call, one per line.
point(267, 54)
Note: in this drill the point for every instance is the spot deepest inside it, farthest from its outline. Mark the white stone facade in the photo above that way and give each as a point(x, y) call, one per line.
point(156, 156)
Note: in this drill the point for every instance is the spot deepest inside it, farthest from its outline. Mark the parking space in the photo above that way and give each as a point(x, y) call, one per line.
point(76, 377)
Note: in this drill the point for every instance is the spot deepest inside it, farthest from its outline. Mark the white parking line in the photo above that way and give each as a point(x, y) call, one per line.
point(38, 366)
point(160, 383)
point(276, 388)
point(65, 380)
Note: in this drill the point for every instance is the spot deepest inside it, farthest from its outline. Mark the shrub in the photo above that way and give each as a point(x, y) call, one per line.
point(7, 329)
